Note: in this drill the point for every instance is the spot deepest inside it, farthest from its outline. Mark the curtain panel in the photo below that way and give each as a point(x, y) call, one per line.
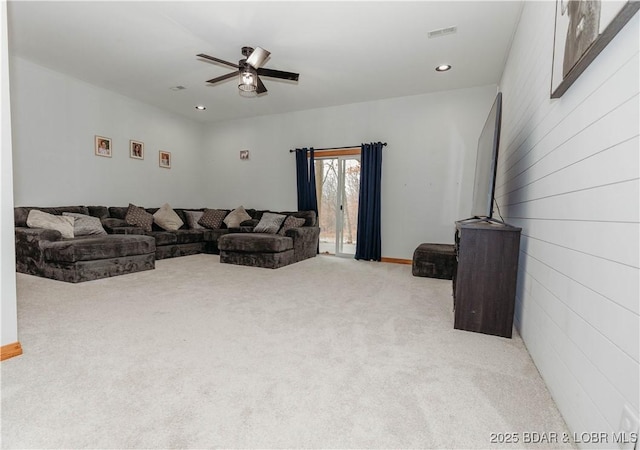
point(306, 180)
point(368, 244)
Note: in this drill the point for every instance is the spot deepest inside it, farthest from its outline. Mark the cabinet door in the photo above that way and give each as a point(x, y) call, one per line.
point(486, 280)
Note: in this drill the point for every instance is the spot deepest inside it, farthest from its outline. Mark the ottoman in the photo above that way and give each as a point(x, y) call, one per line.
point(434, 261)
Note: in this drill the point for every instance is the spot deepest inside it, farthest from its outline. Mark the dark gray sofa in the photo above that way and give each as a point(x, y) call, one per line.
point(45, 253)
point(169, 244)
point(272, 251)
point(128, 248)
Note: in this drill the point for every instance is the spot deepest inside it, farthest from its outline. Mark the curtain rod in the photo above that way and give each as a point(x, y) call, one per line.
point(384, 144)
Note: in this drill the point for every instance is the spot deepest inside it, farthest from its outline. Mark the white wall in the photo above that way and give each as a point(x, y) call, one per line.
point(427, 171)
point(9, 314)
point(568, 175)
point(55, 119)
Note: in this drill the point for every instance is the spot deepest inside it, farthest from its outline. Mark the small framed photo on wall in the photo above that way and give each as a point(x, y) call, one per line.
point(165, 159)
point(103, 146)
point(136, 149)
point(244, 154)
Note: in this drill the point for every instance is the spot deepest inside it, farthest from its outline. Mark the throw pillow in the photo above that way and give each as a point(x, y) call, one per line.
point(212, 218)
point(85, 225)
point(139, 217)
point(235, 217)
point(291, 222)
point(192, 219)
point(63, 224)
point(167, 219)
point(269, 223)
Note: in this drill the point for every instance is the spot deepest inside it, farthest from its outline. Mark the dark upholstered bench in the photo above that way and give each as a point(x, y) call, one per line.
point(434, 261)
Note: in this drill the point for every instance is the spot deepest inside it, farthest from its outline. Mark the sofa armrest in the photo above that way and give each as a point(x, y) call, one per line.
point(305, 241)
point(37, 234)
point(29, 253)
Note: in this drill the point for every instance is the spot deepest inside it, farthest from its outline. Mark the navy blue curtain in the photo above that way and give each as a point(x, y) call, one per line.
point(368, 243)
point(306, 179)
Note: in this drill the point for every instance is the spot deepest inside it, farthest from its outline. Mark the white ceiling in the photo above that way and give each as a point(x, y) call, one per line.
point(345, 52)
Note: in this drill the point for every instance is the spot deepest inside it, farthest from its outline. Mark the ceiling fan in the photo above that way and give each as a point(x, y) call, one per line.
point(249, 70)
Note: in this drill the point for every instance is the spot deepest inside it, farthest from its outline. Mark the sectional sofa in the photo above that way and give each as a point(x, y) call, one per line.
point(122, 247)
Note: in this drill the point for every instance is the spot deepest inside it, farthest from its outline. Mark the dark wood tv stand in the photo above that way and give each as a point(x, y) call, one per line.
point(484, 284)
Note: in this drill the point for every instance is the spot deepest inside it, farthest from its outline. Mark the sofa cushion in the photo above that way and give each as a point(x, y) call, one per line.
point(39, 219)
point(85, 225)
point(213, 218)
point(269, 223)
point(310, 217)
point(183, 217)
point(101, 212)
point(163, 237)
point(192, 219)
point(254, 242)
point(167, 218)
point(291, 222)
point(20, 213)
point(139, 217)
point(118, 212)
point(235, 217)
point(249, 223)
point(97, 247)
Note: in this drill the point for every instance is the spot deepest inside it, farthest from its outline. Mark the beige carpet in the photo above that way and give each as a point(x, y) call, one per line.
point(326, 353)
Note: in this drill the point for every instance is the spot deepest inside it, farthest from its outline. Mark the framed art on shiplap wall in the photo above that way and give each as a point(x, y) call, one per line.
point(582, 29)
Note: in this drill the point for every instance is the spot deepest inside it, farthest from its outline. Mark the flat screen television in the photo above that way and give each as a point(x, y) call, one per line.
point(486, 162)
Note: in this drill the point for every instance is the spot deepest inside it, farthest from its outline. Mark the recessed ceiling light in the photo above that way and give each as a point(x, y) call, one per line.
point(201, 107)
point(443, 68)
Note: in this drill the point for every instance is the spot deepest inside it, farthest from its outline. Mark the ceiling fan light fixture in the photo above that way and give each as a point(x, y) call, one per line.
point(248, 80)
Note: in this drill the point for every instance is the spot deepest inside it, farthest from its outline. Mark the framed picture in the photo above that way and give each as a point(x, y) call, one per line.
point(164, 159)
point(103, 146)
point(136, 150)
point(244, 154)
point(583, 29)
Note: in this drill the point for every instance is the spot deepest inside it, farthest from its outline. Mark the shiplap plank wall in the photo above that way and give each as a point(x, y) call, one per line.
point(568, 174)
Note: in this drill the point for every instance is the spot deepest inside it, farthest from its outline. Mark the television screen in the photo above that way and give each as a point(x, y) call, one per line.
point(486, 162)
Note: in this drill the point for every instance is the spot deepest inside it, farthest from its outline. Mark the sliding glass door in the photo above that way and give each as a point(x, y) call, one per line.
point(338, 180)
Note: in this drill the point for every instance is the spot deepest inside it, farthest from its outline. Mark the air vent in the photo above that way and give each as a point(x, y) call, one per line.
point(177, 88)
point(442, 32)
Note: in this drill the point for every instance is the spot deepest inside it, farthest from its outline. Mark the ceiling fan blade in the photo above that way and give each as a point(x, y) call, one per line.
point(221, 61)
point(223, 77)
point(261, 88)
point(258, 57)
point(278, 74)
